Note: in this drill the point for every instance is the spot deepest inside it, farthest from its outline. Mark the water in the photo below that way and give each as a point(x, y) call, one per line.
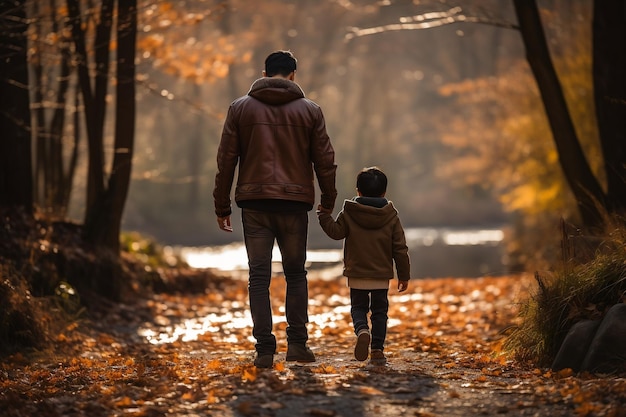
point(435, 252)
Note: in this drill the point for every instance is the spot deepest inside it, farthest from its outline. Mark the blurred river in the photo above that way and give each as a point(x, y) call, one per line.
point(434, 252)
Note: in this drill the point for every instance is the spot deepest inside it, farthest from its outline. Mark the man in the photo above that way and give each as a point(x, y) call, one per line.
point(278, 137)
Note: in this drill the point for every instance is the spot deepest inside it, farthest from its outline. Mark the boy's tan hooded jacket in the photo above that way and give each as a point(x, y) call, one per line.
point(374, 239)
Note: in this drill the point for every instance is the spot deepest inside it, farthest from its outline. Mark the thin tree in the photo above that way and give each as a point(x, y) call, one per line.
point(106, 197)
point(582, 182)
point(53, 175)
point(609, 81)
point(16, 184)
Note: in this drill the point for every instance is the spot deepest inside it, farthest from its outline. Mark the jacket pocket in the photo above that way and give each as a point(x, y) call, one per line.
point(294, 189)
point(249, 188)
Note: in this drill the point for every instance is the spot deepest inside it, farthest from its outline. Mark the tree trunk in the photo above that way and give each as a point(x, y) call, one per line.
point(41, 173)
point(16, 182)
point(119, 181)
point(609, 76)
point(94, 102)
point(585, 187)
point(105, 225)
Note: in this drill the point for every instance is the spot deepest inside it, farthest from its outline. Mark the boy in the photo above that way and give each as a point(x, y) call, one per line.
point(374, 240)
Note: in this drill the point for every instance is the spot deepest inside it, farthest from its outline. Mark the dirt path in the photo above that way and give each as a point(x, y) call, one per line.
point(191, 355)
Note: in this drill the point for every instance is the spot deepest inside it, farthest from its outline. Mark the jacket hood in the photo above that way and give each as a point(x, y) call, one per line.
point(275, 91)
point(369, 216)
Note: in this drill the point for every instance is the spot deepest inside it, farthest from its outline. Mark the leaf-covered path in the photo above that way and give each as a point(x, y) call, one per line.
point(191, 355)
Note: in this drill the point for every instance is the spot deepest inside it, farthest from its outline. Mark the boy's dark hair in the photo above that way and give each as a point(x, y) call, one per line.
point(371, 182)
point(280, 62)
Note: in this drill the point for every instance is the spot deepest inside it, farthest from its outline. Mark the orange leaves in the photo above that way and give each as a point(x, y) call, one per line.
point(370, 391)
point(324, 369)
point(438, 345)
point(172, 39)
point(214, 365)
point(123, 402)
point(248, 374)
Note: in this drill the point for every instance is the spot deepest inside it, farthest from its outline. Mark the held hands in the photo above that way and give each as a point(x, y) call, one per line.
point(402, 285)
point(321, 209)
point(224, 223)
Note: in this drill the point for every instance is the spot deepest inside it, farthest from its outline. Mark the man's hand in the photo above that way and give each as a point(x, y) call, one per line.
point(224, 223)
point(402, 285)
point(321, 209)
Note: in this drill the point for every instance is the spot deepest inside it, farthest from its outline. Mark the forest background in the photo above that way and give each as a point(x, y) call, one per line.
point(437, 93)
point(450, 111)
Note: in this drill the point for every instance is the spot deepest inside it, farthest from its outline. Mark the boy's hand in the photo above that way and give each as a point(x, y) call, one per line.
point(403, 285)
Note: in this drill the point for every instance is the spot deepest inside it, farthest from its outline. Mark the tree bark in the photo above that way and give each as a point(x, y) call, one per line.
point(94, 100)
point(589, 195)
point(119, 182)
point(609, 76)
point(16, 182)
point(105, 223)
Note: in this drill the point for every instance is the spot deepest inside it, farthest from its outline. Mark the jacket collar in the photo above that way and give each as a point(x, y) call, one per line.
point(274, 90)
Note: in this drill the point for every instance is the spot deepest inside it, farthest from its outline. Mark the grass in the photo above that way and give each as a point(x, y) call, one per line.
point(575, 291)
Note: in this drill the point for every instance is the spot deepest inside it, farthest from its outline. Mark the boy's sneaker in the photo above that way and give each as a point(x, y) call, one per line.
point(299, 353)
point(378, 357)
point(264, 361)
point(361, 350)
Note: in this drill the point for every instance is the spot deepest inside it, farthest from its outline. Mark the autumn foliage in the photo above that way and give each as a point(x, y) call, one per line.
point(187, 353)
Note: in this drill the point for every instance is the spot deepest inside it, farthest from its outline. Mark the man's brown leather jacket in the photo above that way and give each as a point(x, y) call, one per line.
point(279, 139)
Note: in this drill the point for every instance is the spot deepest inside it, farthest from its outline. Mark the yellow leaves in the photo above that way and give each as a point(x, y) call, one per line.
point(532, 197)
point(499, 135)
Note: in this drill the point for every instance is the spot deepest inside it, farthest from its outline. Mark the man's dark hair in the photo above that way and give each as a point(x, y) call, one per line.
point(371, 182)
point(280, 63)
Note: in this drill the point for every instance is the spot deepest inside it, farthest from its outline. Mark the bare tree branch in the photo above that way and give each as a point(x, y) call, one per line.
point(428, 21)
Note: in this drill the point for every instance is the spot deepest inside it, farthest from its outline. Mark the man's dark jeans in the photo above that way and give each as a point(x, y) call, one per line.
point(375, 301)
point(289, 230)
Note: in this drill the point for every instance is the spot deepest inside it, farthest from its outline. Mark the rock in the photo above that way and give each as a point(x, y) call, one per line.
point(575, 345)
point(607, 352)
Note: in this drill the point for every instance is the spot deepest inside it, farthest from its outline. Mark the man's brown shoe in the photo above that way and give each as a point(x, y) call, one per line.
point(378, 358)
point(264, 361)
point(299, 353)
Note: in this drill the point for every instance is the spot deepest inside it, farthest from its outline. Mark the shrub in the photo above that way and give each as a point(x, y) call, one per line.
point(22, 322)
point(574, 292)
